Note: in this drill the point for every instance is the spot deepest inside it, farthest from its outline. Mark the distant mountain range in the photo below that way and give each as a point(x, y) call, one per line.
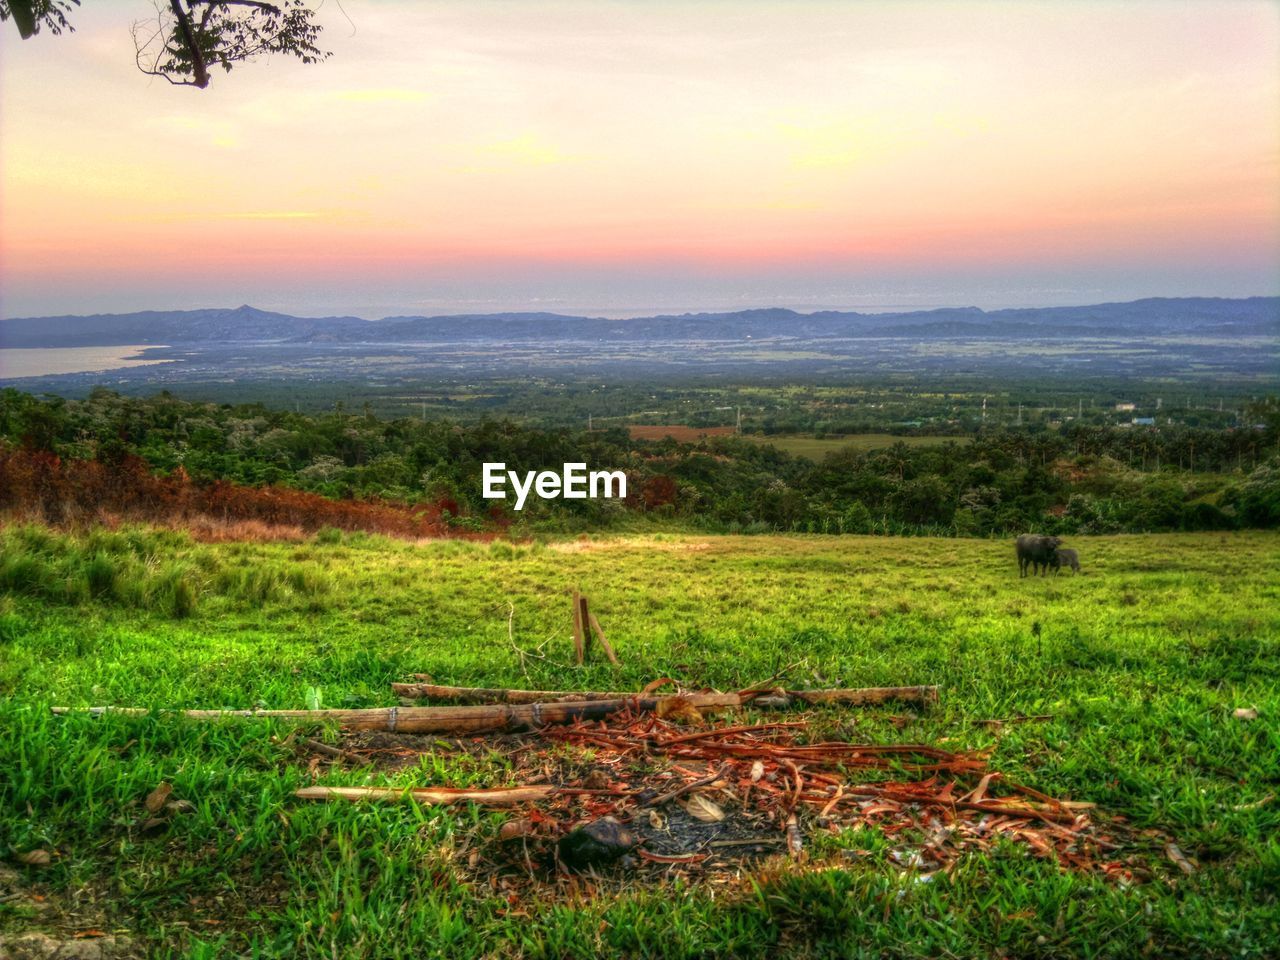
point(1195, 317)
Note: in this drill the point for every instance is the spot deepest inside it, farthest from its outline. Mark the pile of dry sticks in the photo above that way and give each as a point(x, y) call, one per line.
point(653, 783)
point(656, 785)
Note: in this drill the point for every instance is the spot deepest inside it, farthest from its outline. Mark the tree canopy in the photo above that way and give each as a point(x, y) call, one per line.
point(188, 39)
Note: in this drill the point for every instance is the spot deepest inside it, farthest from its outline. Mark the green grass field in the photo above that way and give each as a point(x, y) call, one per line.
point(815, 448)
point(1139, 663)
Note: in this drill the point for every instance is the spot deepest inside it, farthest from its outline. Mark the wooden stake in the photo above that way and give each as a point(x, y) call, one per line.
point(604, 641)
point(579, 628)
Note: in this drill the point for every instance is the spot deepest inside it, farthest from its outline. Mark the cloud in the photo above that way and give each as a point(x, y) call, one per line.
point(270, 215)
point(383, 95)
point(528, 150)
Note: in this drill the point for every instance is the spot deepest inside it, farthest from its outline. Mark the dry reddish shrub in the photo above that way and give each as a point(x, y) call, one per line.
point(37, 485)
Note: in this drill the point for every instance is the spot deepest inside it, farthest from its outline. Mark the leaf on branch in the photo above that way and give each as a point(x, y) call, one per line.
point(190, 37)
point(30, 15)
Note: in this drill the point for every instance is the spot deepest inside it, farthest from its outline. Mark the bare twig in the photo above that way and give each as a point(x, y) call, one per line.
point(685, 788)
point(521, 653)
point(766, 686)
point(324, 749)
point(511, 638)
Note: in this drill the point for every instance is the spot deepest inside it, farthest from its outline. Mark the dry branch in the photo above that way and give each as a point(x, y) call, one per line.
point(513, 715)
point(501, 797)
point(471, 719)
point(857, 696)
point(758, 697)
point(686, 787)
point(433, 691)
point(323, 748)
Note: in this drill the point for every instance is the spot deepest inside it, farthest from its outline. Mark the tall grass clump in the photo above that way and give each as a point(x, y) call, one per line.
point(22, 572)
point(172, 591)
point(116, 568)
point(100, 574)
point(266, 582)
point(161, 571)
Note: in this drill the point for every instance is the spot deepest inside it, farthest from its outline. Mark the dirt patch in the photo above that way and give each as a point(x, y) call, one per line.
point(43, 946)
point(48, 925)
point(630, 543)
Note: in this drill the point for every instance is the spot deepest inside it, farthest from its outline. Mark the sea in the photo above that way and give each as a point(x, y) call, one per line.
point(54, 361)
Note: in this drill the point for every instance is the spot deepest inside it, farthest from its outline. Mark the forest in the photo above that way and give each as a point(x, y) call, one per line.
point(72, 460)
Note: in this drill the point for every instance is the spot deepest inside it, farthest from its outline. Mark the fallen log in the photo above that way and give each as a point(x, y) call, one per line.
point(471, 719)
point(759, 697)
point(500, 797)
point(433, 691)
point(515, 716)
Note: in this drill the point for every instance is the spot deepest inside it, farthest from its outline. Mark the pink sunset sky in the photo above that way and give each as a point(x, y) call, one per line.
point(625, 157)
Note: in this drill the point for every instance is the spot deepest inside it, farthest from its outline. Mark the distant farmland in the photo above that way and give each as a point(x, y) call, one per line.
point(796, 444)
point(815, 448)
point(800, 445)
point(685, 434)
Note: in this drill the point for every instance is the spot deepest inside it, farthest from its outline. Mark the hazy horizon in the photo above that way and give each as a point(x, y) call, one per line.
point(447, 308)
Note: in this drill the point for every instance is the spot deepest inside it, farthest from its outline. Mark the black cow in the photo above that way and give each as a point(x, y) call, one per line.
point(1036, 551)
point(1065, 558)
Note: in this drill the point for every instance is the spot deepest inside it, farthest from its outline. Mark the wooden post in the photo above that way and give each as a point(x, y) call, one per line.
point(579, 628)
point(585, 627)
point(584, 621)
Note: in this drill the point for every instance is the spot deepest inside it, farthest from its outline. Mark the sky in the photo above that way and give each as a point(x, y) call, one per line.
point(620, 158)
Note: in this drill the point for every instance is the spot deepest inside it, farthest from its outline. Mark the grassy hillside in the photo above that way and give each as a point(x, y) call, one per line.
point(1138, 663)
